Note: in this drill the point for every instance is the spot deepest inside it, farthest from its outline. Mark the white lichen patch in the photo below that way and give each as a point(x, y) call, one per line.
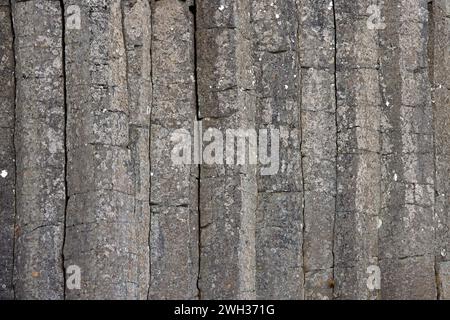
point(4, 174)
point(379, 223)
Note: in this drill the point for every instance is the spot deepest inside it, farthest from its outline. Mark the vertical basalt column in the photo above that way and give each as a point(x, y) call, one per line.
point(137, 31)
point(439, 59)
point(406, 236)
point(174, 194)
point(318, 122)
point(228, 190)
point(359, 160)
point(102, 232)
point(279, 225)
point(7, 151)
point(39, 140)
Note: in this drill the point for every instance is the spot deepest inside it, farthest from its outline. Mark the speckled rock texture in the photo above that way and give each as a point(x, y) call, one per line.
point(355, 96)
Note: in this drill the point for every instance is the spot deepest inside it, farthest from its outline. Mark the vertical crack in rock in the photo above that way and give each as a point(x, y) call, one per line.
point(193, 10)
point(439, 70)
point(333, 3)
point(13, 44)
point(300, 114)
point(133, 144)
point(430, 61)
point(63, 51)
point(150, 111)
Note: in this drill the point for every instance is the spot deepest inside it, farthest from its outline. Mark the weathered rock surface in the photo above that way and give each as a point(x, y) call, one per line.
point(352, 203)
point(7, 153)
point(173, 188)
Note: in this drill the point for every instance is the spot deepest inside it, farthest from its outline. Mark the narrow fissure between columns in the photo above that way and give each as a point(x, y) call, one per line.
point(63, 52)
point(192, 9)
point(14, 147)
point(333, 284)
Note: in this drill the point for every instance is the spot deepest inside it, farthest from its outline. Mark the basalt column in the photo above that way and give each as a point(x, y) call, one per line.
point(439, 72)
point(228, 188)
point(318, 116)
point(102, 235)
point(39, 141)
point(407, 231)
point(174, 186)
point(279, 224)
point(358, 161)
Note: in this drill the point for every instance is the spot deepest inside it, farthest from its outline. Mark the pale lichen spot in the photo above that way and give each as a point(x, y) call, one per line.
point(379, 223)
point(4, 174)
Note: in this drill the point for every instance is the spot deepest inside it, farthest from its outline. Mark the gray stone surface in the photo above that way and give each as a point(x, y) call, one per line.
point(358, 153)
point(411, 278)
point(279, 227)
point(174, 187)
point(444, 280)
point(92, 92)
point(104, 209)
point(439, 60)
point(39, 145)
point(136, 23)
point(407, 165)
point(7, 152)
point(227, 193)
point(318, 116)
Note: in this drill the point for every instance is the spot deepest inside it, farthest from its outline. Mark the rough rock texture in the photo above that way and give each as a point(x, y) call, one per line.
point(318, 115)
point(40, 150)
point(352, 203)
point(228, 192)
point(7, 152)
point(406, 236)
point(279, 232)
point(358, 151)
point(103, 211)
point(174, 188)
point(438, 71)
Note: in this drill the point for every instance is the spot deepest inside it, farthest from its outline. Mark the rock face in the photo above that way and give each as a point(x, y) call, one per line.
point(224, 149)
